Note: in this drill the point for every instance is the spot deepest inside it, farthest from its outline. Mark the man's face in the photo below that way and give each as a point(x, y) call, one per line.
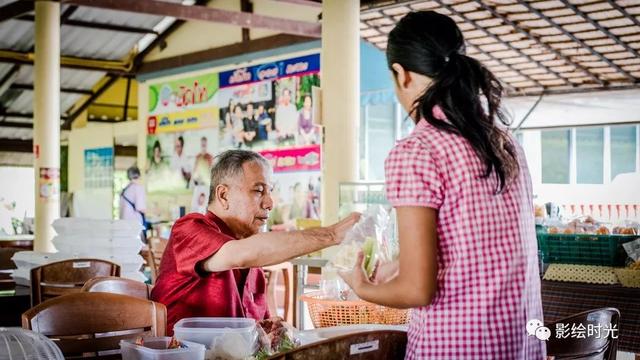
point(178, 147)
point(203, 145)
point(249, 111)
point(249, 198)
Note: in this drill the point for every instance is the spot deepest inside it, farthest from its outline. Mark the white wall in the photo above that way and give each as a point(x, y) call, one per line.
point(576, 109)
point(623, 190)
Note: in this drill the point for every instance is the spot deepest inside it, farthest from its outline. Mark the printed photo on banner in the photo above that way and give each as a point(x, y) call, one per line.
point(295, 196)
point(269, 105)
point(180, 161)
point(296, 185)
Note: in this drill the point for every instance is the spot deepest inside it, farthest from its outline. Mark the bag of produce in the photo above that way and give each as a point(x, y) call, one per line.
point(372, 236)
point(275, 336)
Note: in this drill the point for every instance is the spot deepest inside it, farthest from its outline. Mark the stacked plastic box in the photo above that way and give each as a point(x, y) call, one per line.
point(117, 241)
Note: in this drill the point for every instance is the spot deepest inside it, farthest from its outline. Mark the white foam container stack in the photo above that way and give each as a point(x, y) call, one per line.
point(117, 241)
point(234, 338)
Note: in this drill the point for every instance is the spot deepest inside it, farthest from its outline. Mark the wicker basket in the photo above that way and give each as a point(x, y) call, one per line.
point(326, 313)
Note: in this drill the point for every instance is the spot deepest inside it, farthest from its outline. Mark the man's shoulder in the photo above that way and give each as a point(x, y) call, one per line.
point(194, 222)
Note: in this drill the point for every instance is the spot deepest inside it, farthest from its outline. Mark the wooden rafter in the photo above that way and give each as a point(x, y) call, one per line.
point(203, 13)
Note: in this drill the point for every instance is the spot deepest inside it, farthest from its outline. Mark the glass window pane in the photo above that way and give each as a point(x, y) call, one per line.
point(623, 150)
point(589, 155)
point(380, 138)
point(555, 156)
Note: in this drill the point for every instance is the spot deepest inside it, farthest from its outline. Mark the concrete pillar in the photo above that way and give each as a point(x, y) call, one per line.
point(340, 83)
point(46, 129)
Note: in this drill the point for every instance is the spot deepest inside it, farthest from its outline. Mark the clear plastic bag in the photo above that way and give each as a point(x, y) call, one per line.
point(373, 235)
point(275, 336)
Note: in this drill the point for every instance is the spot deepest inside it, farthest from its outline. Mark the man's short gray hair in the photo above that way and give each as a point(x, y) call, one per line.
point(229, 164)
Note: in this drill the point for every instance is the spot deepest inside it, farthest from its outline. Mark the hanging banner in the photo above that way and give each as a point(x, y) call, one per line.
point(305, 158)
point(49, 184)
point(299, 66)
point(270, 105)
point(193, 119)
point(183, 104)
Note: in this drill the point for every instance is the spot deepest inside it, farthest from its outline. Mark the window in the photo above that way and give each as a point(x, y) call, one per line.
point(377, 137)
point(623, 150)
point(590, 155)
point(555, 156)
point(519, 137)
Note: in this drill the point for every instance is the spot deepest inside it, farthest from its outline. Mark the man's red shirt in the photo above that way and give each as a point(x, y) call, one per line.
point(188, 292)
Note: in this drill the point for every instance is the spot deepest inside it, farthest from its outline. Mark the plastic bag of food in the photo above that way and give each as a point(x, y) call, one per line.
point(372, 236)
point(275, 336)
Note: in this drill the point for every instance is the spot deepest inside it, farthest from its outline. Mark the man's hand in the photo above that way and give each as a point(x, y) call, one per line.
point(340, 229)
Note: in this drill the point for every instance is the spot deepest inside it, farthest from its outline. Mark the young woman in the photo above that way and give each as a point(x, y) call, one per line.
point(468, 255)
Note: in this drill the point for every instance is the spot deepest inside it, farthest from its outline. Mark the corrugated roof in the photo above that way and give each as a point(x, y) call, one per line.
point(535, 46)
point(75, 41)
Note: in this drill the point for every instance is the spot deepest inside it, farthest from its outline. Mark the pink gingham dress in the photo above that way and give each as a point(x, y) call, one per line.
point(488, 282)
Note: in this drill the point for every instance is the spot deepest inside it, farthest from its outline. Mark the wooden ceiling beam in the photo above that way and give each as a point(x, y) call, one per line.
point(15, 9)
point(97, 25)
point(203, 13)
point(223, 52)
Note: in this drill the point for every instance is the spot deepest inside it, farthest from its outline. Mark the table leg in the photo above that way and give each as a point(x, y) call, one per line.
point(300, 272)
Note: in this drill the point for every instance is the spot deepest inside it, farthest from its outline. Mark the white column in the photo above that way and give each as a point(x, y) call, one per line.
point(340, 69)
point(46, 129)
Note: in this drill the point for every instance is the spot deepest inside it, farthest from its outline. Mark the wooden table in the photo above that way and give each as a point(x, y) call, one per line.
point(562, 299)
point(13, 305)
point(24, 242)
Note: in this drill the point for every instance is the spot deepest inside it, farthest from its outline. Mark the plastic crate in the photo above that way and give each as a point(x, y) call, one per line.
point(587, 249)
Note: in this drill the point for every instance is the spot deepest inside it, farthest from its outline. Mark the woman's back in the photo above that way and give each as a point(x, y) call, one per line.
point(488, 285)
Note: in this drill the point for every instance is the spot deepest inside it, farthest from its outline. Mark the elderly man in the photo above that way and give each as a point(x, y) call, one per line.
point(211, 266)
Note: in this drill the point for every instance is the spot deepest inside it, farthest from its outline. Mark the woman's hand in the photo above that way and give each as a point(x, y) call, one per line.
point(385, 272)
point(356, 277)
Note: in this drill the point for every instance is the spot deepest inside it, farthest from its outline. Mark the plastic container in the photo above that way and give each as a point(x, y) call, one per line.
point(230, 338)
point(584, 249)
point(155, 348)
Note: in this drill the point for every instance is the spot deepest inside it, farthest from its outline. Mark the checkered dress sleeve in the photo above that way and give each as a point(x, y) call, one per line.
point(412, 176)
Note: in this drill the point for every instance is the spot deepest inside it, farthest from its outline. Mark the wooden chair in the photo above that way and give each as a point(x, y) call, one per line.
point(92, 324)
point(156, 249)
point(118, 285)
point(67, 276)
point(6, 267)
point(272, 274)
point(591, 347)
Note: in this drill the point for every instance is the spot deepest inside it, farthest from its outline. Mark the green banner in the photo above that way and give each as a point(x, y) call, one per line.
point(179, 95)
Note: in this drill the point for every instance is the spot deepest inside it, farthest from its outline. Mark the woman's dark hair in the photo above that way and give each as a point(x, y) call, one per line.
point(431, 44)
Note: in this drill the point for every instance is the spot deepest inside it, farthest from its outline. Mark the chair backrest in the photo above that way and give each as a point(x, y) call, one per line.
point(273, 274)
point(118, 285)
point(600, 346)
point(67, 276)
point(94, 323)
point(156, 249)
point(6, 267)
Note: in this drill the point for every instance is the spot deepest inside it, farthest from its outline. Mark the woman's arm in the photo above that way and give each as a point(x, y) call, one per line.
point(415, 284)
